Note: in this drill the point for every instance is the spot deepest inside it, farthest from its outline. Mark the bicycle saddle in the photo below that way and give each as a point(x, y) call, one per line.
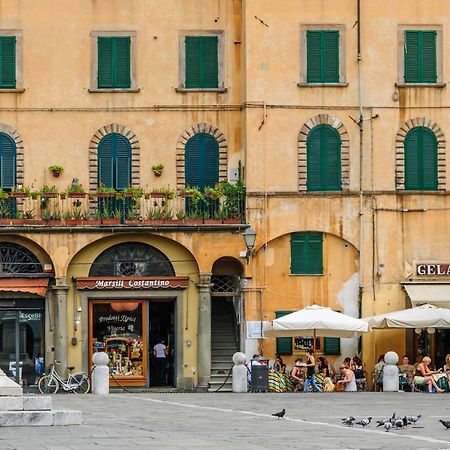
point(71, 367)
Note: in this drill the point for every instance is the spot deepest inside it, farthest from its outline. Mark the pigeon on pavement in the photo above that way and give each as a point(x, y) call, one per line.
point(280, 414)
point(348, 421)
point(414, 419)
point(387, 426)
point(405, 421)
point(364, 422)
point(392, 419)
point(398, 423)
point(446, 423)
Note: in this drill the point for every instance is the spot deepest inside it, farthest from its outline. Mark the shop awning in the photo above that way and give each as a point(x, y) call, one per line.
point(433, 293)
point(29, 285)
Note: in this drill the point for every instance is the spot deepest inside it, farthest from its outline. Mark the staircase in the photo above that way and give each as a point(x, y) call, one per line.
point(223, 343)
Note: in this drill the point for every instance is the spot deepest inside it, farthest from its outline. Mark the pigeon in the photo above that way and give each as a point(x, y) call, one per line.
point(405, 421)
point(398, 423)
point(392, 419)
point(348, 421)
point(364, 422)
point(414, 419)
point(446, 423)
point(387, 426)
point(381, 423)
point(280, 414)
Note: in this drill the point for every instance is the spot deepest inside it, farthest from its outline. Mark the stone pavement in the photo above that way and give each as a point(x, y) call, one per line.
point(237, 421)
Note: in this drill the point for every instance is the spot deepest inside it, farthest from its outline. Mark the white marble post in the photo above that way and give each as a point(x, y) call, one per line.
point(390, 372)
point(100, 374)
point(239, 372)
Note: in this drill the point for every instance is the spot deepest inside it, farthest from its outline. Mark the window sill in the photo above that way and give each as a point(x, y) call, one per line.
point(338, 85)
point(218, 90)
point(12, 90)
point(425, 85)
point(101, 91)
point(306, 274)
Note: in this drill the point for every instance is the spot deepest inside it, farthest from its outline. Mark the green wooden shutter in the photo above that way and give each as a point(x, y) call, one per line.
point(331, 346)
point(7, 162)
point(122, 153)
point(284, 344)
point(421, 159)
point(122, 62)
point(323, 159)
point(307, 253)
point(105, 62)
point(105, 162)
point(7, 62)
point(202, 65)
point(192, 162)
point(314, 57)
point(330, 56)
point(211, 161)
point(420, 57)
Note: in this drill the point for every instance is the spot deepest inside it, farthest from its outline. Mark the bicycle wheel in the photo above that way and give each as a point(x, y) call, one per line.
point(83, 383)
point(48, 385)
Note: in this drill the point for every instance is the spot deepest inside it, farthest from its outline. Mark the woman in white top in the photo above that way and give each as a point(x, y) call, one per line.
point(349, 379)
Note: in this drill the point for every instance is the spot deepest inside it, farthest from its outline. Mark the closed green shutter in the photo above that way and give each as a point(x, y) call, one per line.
point(105, 162)
point(323, 159)
point(123, 162)
point(421, 159)
point(284, 344)
point(307, 253)
point(331, 346)
point(322, 60)
point(114, 62)
point(114, 166)
point(7, 162)
point(420, 57)
point(7, 62)
point(202, 64)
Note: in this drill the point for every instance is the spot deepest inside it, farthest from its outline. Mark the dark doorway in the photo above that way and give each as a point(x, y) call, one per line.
point(161, 329)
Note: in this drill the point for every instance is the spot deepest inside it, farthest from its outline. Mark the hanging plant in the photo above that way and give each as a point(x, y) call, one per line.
point(56, 170)
point(158, 169)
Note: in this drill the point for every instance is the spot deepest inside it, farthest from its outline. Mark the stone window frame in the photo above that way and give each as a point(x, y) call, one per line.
point(400, 151)
point(334, 122)
point(181, 151)
point(19, 60)
point(15, 136)
point(304, 55)
point(94, 60)
point(93, 153)
point(182, 60)
point(401, 55)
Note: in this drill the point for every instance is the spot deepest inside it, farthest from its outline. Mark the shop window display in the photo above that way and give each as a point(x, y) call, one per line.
point(117, 330)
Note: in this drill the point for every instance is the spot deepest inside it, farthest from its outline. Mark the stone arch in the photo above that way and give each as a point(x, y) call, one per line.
point(93, 153)
point(323, 119)
point(15, 136)
point(181, 148)
point(400, 150)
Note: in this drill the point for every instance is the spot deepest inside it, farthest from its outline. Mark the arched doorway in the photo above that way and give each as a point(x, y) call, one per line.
point(136, 331)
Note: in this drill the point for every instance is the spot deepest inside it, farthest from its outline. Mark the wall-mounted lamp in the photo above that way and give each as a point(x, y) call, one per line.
point(250, 239)
point(76, 322)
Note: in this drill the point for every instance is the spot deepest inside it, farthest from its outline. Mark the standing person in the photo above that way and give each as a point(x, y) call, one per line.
point(160, 352)
point(349, 380)
point(310, 372)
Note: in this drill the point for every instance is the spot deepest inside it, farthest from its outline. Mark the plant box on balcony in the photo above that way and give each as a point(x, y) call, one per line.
point(193, 221)
point(76, 194)
point(93, 222)
point(183, 194)
point(133, 222)
point(231, 221)
point(212, 221)
point(153, 222)
point(20, 194)
point(110, 221)
point(157, 195)
point(49, 195)
point(5, 221)
point(71, 222)
point(53, 222)
point(175, 222)
point(105, 194)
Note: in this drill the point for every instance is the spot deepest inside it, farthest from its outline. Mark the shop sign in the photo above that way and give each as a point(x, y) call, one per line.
point(433, 269)
point(133, 283)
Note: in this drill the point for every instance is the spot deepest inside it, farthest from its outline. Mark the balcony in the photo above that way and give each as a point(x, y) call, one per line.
point(224, 205)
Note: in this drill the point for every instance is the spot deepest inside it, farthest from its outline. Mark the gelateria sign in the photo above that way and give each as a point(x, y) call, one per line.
point(118, 283)
point(433, 269)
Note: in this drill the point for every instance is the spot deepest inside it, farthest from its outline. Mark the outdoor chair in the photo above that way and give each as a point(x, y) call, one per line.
point(361, 383)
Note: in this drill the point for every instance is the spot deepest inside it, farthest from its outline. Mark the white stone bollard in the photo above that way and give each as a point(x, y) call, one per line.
point(239, 372)
point(100, 374)
point(390, 372)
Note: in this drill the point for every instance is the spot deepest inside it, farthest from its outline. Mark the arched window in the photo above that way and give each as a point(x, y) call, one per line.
point(131, 259)
point(421, 159)
point(323, 159)
point(202, 161)
point(114, 162)
point(7, 162)
point(15, 259)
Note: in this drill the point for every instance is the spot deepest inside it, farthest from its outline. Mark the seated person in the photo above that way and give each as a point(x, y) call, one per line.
point(446, 369)
point(254, 362)
point(406, 373)
point(424, 376)
point(298, 375)
point(279, 381)
point(323, 371)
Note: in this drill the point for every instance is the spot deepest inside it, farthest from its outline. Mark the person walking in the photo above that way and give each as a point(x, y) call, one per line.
point(160, 352)
point(310, 372)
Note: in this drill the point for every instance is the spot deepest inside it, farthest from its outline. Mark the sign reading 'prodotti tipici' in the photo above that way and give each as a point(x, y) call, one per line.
point(133, 283)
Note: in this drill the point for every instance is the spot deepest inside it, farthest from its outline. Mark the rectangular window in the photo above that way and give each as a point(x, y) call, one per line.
point(202, 62)
point(114, 62)
point(322, 62)
point(7, 62)
point(307, 253)
point(284, 344)
point(420, 56)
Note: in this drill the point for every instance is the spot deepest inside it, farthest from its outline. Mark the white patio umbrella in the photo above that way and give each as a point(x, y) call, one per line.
point(317, 321)
point(425, 316)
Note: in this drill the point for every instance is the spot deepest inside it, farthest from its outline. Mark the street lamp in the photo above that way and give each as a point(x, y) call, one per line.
point(250, 238)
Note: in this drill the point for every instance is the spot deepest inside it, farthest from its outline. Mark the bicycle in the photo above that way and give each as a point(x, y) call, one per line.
point(78, 383)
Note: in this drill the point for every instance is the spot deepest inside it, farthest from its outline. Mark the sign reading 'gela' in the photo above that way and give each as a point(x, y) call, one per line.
point(433, 269)
point(133, 283)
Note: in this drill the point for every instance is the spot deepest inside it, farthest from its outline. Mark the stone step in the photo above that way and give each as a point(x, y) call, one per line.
point(224, 345)
point(39, 418)
point(26, 403)
point(221, 365)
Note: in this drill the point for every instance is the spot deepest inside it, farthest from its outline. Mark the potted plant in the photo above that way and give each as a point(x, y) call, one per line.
point(51, 218)
point(74, 217)
point(158, 169)
point(113, 219)
point(49, 192)
point(92, 218)
point(56, 170)
point(232, 208)
point(3, 194)
point(20, 192)
point(164, 192)
point(135, 193)
point(154, 216)
point(180, 215)
point(216, 192)
point(76, 190)
point(107, 192)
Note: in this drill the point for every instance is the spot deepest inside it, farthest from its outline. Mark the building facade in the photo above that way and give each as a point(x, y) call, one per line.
point(130, 135)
